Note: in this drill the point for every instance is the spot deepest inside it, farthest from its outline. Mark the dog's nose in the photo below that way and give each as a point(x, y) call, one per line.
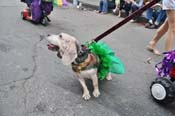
point(48, 34)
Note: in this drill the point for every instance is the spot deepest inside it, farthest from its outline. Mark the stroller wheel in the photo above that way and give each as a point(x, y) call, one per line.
point(44, 21)
point(22, 15)
point(162, 90)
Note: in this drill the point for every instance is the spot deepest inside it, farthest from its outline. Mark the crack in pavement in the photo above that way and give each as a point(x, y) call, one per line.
point(34, 67)
point(34, 56)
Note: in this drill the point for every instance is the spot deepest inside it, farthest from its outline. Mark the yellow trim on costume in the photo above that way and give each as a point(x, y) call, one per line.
point(59, 2)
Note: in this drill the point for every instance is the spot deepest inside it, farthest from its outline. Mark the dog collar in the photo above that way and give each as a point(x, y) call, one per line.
point(82, 53)
point(90, 62)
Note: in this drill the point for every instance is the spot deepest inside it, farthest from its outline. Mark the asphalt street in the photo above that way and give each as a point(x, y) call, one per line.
point(34, 82)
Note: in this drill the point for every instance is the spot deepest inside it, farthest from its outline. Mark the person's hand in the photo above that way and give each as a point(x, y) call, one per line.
point(132, 1)
point(156, 5)
point(147, 3)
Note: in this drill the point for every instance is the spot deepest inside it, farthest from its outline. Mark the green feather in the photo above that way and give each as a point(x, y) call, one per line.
point(108, 61)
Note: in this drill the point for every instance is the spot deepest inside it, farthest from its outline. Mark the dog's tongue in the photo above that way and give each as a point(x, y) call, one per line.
point(50, 46)
point(54, 48)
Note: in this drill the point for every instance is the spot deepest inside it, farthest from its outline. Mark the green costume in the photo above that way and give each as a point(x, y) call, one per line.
point(108, 61)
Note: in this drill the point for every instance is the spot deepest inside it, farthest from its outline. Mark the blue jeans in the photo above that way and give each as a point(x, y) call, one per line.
point(103, 6)
point(126, 6)
point(158, 16)
point(134, 8)
point(75, 2)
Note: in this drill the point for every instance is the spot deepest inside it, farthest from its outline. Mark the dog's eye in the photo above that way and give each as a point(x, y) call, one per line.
point(60, 37)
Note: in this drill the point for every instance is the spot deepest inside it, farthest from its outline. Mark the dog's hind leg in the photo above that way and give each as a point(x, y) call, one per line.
point(96, 91)
point(109, 77)
point(86, 94)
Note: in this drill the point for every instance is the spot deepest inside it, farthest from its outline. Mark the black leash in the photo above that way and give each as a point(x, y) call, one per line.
point(133, 15)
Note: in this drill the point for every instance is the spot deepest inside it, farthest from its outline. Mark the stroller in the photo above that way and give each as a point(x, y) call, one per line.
point(38, 11)
point(163, 88)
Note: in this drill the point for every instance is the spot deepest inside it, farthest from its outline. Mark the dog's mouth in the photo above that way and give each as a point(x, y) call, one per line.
point(53, 47)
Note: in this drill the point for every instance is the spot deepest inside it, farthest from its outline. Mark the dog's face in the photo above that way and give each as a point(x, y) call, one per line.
point(65, 45)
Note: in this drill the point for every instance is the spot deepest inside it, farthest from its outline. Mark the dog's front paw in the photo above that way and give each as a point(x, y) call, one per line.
point(86, 96)
point(96, 93)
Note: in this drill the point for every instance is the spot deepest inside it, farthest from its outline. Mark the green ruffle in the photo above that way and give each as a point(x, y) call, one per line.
point(108, 61)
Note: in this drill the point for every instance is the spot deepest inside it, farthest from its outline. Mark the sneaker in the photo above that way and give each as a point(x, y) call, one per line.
point(147, 25)
point(103, 13)
point(132, 21)
point(44, 21)
point(153, 26)
point(79, 6)
point(97, 11)
point(114, 10)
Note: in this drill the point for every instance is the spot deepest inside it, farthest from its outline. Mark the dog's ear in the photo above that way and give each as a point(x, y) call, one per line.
point(70, 51)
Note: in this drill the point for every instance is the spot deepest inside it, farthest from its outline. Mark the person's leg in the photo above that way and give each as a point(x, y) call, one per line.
point(134, 8)
point(121, 6)
point(155, 15)
point(100, 6)
point(105, 6)
point(111, 5)
point(28, 2)
point(171, 30)
point(156, 20)
point(159, 33)
point(75, 2)
point(127, 8)
point(161, 17)
point(164, 16)
point(149, 16)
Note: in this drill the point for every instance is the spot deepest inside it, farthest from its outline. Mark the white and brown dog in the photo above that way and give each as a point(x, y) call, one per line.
point(83, 63)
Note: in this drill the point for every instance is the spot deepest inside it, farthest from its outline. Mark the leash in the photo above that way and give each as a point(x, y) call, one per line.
point(133, 15)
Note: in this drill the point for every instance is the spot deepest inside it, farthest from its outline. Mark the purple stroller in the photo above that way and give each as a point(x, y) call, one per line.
point(38, 11)
point(163, 88)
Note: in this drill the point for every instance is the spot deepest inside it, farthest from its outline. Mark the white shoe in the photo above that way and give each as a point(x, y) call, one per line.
point(114, 10)
point(132, 20)
point(79, 5)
